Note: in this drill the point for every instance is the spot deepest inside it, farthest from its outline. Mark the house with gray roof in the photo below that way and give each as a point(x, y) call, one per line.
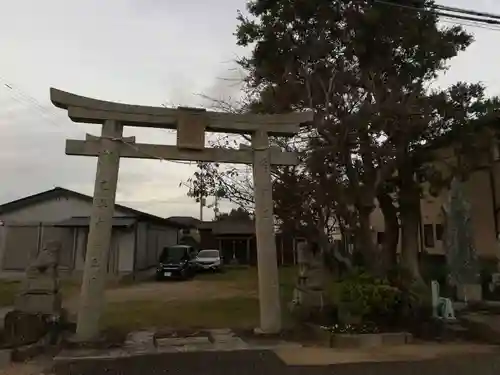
point(60, 214)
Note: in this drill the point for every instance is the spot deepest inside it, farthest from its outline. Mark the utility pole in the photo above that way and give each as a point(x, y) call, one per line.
point(201, 186)
point(201, 208)
point(216, 205)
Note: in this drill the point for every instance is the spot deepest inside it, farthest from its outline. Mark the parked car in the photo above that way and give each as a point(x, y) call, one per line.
point(176, 262)
point(209, 260)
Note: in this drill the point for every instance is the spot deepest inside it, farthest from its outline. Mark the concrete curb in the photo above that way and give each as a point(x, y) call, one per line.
point(480, 329)
point(140, 343)
point(370, 340)
point(344, 340)
point(74, 355)
point(25, 352)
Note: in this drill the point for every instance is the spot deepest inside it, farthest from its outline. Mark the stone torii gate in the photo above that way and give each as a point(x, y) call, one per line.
point(191, 124)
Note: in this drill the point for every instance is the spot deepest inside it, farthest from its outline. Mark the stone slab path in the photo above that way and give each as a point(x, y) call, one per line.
point(146, 342)
point(485, 325)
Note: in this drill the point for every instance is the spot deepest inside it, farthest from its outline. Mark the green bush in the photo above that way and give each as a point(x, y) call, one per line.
point(365, 296)
point(386, 300)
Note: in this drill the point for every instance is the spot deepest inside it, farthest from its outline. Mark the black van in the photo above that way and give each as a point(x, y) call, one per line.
point(176, 262)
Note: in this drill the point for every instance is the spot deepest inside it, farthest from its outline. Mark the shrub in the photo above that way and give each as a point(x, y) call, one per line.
point(392, 300)
point(365, 296)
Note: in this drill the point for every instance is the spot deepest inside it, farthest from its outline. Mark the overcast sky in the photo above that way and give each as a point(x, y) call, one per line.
point(149, 52)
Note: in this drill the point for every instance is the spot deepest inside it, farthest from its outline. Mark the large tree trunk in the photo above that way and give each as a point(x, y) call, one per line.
point(409, 242)
point(409, 206)
point(365, 244)
point(391, 235)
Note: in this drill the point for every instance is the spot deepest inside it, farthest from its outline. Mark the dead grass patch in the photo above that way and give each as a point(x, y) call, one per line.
point(216, 313)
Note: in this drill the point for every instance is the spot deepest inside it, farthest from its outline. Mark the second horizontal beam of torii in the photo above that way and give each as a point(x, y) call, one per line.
point(92, 147)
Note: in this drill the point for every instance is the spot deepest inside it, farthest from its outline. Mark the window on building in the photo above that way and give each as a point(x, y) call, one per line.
point(380, 237)
point(428, 235)
point(439, 232)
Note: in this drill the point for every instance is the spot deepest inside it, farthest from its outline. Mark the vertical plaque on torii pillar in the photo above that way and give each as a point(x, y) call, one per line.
point(191, 125)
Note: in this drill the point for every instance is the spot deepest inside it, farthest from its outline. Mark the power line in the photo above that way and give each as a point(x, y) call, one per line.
point(491, 19)
point(466, 11)
point(30, 102)
point(467, 18)
point(149, 201)
point(469, 24)
point(26, 99)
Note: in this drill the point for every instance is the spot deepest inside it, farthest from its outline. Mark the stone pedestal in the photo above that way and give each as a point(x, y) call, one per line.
point(308, 293)
point(45, 284)
point(39, 304)
point(40, 294)
point(25, 328)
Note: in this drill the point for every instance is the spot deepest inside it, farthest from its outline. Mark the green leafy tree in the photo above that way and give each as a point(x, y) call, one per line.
point(459, 238)
point(238, 214)
point(366, 80)
point(365, 69)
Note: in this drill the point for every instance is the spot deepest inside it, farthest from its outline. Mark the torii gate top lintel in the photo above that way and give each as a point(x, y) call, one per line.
point(89, 110)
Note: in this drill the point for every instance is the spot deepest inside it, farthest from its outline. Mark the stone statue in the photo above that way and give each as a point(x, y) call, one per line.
point(40, 290)
point(47, 259)
point(309, 289)
point(38, 307)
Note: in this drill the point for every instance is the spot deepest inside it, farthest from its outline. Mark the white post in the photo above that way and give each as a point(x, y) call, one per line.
point(269, 293)
point(99, 238)
point(435, 298)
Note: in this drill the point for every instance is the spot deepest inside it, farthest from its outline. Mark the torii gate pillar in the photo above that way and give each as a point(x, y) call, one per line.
point(100, 231)
point(267, 262)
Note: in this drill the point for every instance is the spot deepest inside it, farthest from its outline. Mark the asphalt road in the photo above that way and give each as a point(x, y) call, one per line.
point(267, 363)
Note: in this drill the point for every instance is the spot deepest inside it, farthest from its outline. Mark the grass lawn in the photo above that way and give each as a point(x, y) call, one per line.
point(247, 279)
point(241, 311)
point(236, 312)
point(10, 288)
point(8, 291)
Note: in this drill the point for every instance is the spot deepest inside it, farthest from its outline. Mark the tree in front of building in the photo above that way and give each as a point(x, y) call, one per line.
point(459, 238)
